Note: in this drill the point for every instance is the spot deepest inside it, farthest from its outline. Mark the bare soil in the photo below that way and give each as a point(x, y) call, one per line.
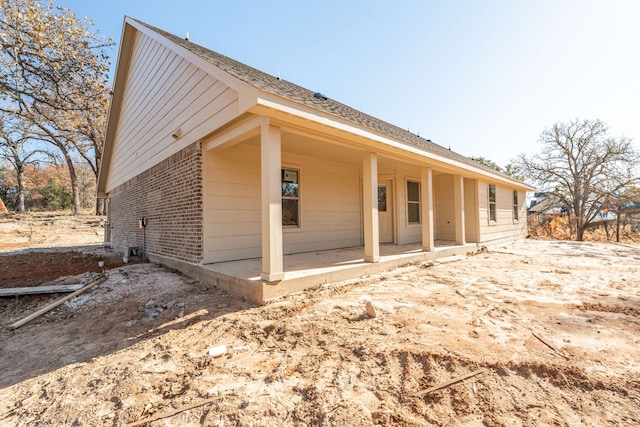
point(551, 329)
point(46, 230)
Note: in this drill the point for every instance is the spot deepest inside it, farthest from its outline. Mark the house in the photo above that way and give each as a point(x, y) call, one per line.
point(544, 203)
point(226, 163)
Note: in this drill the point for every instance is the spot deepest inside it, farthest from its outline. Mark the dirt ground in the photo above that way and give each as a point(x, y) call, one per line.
point(550, 330)
point(47, 230)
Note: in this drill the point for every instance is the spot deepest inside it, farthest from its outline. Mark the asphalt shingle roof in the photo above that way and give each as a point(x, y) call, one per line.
point(293, 92)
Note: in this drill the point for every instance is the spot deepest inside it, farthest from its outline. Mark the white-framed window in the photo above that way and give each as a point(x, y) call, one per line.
point(515, 206)
point(492, 203)
point(290, 198)
point(413, 202)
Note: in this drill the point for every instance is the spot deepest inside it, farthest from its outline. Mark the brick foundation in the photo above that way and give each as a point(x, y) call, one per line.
point(169, 195)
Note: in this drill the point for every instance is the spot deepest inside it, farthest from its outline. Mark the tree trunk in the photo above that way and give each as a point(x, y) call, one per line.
point(100, 207)
point(75, 193)
point(21, 189)
point(579, 233)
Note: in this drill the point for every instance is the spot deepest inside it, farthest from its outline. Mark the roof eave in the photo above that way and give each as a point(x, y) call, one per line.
point(271, 105)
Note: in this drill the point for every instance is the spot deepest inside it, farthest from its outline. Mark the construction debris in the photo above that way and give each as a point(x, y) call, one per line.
point(218, 351)
point(450, 383)
point(371, 310)
point(555, 350)
point(33, 290)
point(56, 303)
point(172, 413)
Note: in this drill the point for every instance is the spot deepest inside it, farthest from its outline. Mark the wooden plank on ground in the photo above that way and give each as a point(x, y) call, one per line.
point(450, 383)
point(32, 290)
point(56, 303)
point(545, 342)
point(172, 413)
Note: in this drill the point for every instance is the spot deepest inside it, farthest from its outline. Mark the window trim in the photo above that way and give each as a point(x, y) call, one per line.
point(492, 204)
point(516, 207)
point(297, 169)
point(418, 202)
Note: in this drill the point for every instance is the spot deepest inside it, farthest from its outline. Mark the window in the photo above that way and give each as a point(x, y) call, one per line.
point(492, 203)
point(515, 206)
point(290, 198)
point(413, 202)
point(382, 198)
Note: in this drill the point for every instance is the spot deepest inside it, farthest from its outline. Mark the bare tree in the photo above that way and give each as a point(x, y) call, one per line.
point(85, 128)
point(583, 167)
point(53, 72)
point(15, 135)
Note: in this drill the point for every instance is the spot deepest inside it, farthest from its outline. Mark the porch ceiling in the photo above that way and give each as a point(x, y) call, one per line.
point(304, 145)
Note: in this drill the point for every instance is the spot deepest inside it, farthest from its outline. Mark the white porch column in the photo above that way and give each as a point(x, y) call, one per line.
point(458, 201)
point(271, 205)
point(426, 196)
point(370, 206)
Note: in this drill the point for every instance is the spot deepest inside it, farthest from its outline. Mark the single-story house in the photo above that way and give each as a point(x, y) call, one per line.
point(225, 162)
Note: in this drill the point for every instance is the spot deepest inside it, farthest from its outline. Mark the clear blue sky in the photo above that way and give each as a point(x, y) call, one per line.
point(483, 77)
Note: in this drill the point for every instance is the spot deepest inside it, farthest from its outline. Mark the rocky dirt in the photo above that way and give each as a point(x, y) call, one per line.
point(550, 330)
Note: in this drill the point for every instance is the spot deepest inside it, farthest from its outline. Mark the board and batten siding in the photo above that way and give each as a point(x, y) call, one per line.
point(504, 227)
point(163, 92)
point(330, 212)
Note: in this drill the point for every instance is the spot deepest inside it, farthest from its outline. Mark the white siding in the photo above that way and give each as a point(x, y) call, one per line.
point(329, 205)
point(231, 182)
point(163, 92)
point(444, 216)
point(504, 227)
point(470, 211)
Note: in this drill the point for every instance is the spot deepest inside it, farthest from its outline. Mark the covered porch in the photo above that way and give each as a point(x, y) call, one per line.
point(337, 189)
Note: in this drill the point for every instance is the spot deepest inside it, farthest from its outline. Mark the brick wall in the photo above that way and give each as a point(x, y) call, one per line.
point(169, 195)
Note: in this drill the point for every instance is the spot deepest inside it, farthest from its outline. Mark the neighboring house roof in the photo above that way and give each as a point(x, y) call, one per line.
point(630, 207)
point(546, 204)
point(297, 94)
point(603, 216)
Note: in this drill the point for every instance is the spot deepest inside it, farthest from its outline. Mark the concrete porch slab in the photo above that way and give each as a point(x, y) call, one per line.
point(307, 270)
